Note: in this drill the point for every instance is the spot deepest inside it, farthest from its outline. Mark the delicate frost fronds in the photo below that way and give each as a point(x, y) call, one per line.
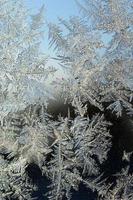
point(23, 71)
point(13, 181)
point(62, 167)
point(75, 149)
point(91, 139)
point(95, 67)
point(79, 107)
point(100, 78)
point(123, 189)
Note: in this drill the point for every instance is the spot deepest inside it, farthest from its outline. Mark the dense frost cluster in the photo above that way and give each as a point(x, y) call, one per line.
point(91, 143)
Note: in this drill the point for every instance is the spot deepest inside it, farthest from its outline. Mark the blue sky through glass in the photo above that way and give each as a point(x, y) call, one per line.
point(53, 10)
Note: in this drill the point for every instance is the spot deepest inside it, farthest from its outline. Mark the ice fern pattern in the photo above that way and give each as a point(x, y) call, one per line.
point(91, 145)
point(22, 64)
